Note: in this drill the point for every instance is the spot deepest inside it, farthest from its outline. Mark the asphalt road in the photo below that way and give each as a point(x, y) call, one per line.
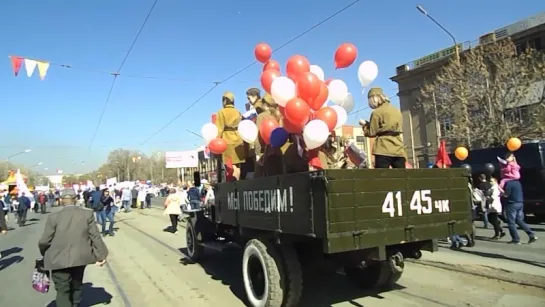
point(147, 267)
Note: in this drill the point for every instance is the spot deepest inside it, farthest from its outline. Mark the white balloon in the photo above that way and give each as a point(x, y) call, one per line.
point(348, 103)
point(247, 130)
point(342, 116)
point(315, 133)
point(283, 90)
point(209, 132)
point(337, 91)
point(318, 71)
point(367, 72)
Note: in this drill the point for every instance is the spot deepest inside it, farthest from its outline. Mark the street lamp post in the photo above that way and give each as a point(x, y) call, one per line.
point(456, 49)
point(37, 164)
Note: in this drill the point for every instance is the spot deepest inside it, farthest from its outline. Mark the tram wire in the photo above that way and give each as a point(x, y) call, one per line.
point(116, 74)
point(236, 73)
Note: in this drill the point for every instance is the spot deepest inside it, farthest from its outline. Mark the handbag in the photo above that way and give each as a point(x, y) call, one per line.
point(40, 277)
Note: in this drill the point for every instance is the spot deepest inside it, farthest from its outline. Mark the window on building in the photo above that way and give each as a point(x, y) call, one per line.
point(360, 139)
point(535, 43)
point(445, 126)
point(521, 48)
point(517, 115)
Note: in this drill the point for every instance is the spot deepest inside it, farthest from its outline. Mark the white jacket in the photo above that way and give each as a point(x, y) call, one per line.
point(495, 206)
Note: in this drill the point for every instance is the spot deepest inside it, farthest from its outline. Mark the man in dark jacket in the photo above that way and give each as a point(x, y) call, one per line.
point(96, 205)
point(69, 243)
point(22, 211)
point(42, 200)
point(134, 193)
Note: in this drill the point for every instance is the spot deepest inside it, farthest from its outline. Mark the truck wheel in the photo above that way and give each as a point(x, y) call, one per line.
point(194, 248)
point(261, 273)
point(379, 276)
point(293, 275)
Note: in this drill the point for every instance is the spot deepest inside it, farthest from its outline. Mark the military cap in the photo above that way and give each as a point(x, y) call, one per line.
point(375, 91)
point(68, 193)
point(230, 96)
point(268, 99)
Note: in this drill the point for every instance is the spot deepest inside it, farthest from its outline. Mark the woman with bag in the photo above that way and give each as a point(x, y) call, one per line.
point(173, 210)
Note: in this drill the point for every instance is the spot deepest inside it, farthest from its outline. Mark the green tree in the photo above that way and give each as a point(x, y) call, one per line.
point(492, 94)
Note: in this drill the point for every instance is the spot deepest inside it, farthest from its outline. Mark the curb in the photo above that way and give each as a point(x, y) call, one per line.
point(522, 279)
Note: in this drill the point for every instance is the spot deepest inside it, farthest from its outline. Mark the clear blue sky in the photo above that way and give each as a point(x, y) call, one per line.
point(196, 41)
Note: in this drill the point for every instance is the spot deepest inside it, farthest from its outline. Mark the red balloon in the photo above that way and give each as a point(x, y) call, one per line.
point(328, 115)
point(316, 103)
point(297, 111)
point(345, 55)
point(271, 64)
point(308, 86)
point(266, 128)
point(267, 78)
point(293, 128)
point(296, 66)
point(263, 52)
point(217, 146)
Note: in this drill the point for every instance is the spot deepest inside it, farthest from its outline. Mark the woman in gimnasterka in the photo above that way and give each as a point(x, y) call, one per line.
point(385, 125)
point(227, 121)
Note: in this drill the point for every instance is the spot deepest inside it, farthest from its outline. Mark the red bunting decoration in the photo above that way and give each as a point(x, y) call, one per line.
point(16, 64)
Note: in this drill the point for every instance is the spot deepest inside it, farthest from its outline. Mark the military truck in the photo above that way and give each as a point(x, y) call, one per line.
point(365, 221)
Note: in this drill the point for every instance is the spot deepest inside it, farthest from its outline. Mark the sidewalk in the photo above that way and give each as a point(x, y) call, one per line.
point(489, 265)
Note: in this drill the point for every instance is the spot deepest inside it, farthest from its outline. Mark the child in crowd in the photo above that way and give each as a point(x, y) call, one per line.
point(509, 169)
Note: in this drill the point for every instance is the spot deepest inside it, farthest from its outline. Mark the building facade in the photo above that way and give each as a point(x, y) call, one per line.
point(422, 134)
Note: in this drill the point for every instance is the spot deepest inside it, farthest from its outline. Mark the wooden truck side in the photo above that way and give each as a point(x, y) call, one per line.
point(366, 221)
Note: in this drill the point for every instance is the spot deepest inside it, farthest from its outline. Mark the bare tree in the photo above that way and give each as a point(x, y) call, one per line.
point(132, 165)
point(492, 94)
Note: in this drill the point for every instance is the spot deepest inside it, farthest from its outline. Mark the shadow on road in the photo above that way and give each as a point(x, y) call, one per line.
point(6, 262)
point(29, 224)
point(498, 256)
point(34, 220)
point(92, 296)
point(318, 291)
point(9, 251)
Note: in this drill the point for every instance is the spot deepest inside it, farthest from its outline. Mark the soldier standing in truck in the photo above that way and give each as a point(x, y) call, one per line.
point(385, 125)
point(268, 160)
point(227, 121)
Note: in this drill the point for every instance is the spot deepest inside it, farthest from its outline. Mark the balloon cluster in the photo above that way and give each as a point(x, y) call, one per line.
point(302, 95)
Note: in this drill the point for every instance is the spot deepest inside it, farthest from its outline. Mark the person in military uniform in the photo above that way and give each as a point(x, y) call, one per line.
point(329, 155)
point(253, 95)
point(385, 126)
point(227, 121)
point(268, 160)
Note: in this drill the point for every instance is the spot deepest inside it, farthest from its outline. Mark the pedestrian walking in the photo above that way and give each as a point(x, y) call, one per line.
point(515, 212)
point(126, 198)
point(22, 209)
point(173, 209)
point(107, 213)
point(69, 243)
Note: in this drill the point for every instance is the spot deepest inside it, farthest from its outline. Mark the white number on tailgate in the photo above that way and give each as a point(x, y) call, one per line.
point(391, 203)
point(421, 202)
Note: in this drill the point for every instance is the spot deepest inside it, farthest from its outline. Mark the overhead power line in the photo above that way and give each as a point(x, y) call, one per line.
point(116, 74)
point(236, 73)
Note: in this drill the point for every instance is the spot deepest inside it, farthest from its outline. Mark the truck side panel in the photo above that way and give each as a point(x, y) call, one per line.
point(277, 203)
point(373, 207)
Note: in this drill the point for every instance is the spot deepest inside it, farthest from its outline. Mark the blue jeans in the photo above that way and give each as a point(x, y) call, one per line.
point(195, 204)
point(99, 216)
point(126, 205)
point(485, 217)
point(515, 216)
point(107, 215)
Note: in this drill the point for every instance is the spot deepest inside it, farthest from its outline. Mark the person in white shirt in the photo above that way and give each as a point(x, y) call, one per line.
point(209, 197)
point(141, 197)
point(126, 198)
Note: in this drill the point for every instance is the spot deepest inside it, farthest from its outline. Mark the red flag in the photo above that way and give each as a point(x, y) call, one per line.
point(214, 118)
point(16, 63)
point(442, 159)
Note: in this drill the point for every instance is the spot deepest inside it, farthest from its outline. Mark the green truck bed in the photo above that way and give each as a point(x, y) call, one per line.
point(352, 209)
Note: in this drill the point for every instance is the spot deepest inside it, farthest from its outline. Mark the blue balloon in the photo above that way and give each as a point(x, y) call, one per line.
point(279, 137)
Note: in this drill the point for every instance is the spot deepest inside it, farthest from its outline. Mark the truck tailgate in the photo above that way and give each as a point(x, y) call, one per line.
point(378, 207)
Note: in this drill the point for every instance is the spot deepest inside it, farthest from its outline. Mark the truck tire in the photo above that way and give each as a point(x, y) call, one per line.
point(378, 276)
point(194, 249)
point(261, 273)
point(293, 274)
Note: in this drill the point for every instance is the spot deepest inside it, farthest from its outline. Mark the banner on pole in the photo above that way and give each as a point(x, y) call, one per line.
point(180, 159)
